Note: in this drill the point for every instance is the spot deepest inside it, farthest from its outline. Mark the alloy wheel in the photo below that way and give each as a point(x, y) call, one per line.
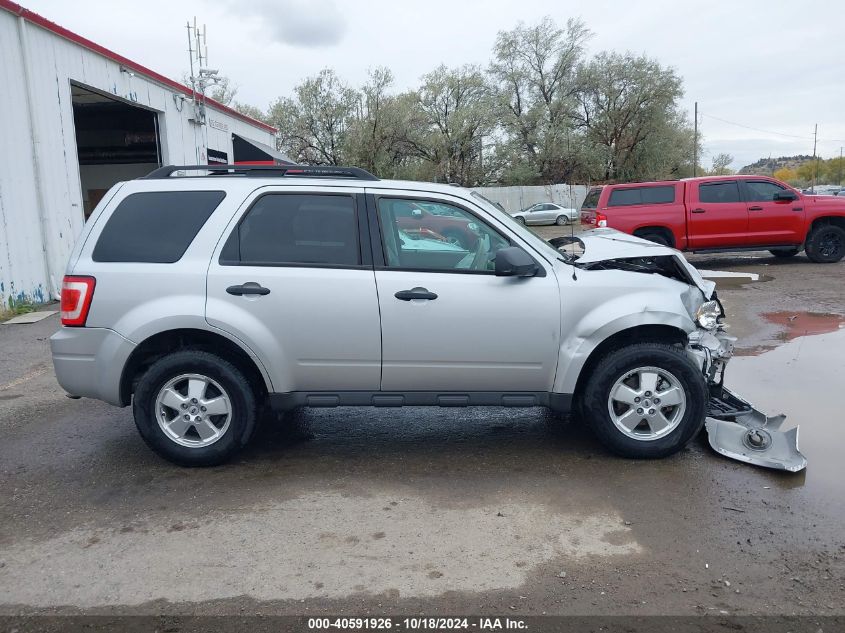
point(647, 403)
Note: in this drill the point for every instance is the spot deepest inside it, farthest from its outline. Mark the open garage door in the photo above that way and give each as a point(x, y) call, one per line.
point(115, 141)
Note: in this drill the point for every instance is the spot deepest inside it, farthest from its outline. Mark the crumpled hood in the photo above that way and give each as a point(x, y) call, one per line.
point(607, 244)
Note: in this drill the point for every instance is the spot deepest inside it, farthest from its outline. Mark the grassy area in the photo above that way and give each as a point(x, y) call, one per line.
point(15, 308)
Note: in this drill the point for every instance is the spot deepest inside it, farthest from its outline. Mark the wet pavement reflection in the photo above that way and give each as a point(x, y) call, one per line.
point(805, 379)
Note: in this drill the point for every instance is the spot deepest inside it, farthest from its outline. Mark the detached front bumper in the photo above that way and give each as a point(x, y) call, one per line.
point(735, 428)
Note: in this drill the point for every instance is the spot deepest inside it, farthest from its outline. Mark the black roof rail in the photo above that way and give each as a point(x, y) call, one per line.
point(303, 171)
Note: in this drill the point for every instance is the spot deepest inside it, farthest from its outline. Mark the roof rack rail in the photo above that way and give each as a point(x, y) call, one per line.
point(302, 171)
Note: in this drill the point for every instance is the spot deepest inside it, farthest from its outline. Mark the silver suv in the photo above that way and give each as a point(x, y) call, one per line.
point(201, 295)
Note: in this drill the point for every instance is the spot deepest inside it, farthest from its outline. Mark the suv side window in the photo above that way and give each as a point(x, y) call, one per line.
point(295, 229)
point(470, 246)
point(625, 197)
point(719, 192)
point(761, 190)
point(155, 227)
point(629, 196)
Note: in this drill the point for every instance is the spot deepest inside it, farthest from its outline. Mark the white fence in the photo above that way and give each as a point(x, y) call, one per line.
point(514, 199)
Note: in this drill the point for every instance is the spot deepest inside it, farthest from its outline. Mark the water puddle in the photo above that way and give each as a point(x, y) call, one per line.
point(792, 325)
point(797, 324)
point(803, 379)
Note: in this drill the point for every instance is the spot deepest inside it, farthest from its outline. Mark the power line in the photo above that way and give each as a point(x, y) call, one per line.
point(756, 129)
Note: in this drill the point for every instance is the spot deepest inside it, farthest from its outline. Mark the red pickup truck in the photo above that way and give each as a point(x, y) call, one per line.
point(723, 213)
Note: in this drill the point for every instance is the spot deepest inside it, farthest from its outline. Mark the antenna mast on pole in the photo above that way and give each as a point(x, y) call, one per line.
point(695, 143)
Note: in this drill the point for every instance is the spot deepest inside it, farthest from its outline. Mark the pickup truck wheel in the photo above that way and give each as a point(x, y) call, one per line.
point(784, 253)
point(656, 237)
point(194, 408)
point(826, 244)
point(562, 220)
point(646, 400)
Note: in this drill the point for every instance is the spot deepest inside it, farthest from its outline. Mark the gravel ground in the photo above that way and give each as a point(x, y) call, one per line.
point(439, 511)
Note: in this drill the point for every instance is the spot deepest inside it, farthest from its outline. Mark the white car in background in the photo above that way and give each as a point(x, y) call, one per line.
point(546, 213)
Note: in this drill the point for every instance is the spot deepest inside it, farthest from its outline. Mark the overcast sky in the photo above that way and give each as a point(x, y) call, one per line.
point(775, 66)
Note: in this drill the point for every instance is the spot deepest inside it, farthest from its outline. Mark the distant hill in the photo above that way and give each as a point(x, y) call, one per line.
point(767, 166)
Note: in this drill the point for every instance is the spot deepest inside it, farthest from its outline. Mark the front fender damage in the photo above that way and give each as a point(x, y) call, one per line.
point(735, 428)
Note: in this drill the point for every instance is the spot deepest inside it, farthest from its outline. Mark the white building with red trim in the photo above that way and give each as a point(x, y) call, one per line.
point(75, 118)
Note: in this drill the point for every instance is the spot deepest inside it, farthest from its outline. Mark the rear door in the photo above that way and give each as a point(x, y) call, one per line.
point(717, 215)
point(769, 221)
point(292, 277)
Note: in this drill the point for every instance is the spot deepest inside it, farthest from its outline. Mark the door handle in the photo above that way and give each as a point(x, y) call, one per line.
point(249, 288)
point(797, 208)
point(698, 211)
point(415, 293)
point(755, 208)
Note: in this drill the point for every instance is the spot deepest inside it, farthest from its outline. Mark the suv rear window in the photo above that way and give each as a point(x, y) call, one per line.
point(296, 229)
point(663, 194)
point(155, 227)
point(592, 199)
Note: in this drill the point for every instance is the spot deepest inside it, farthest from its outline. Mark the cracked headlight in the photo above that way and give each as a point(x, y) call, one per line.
point(707, 315)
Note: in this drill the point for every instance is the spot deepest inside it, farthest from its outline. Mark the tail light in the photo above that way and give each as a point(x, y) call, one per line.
point(77, 293)
point(601, 220)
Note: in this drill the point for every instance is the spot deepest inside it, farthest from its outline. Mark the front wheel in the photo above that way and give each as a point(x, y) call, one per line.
point(194, 408)
point(562, 220)
point(520, 219)
point(826, 244)
point(645, 400)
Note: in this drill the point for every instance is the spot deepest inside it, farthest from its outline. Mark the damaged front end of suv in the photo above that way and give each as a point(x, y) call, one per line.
point(735, 427)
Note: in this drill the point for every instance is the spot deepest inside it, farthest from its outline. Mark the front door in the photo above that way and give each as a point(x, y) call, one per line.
point(770, 221)
point(448, 323)
point(717, 216)
point(293, 279)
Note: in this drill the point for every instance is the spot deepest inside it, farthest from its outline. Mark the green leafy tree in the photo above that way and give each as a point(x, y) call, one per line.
point(534, 71)
point(313, 125)
point(628, 111)
point(453, 114)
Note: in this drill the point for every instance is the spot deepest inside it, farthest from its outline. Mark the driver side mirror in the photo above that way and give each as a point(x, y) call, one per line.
point(514, 262)
point(784, 196)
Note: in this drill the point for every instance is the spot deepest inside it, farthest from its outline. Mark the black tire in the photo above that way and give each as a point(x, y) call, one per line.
point(826, 244)
point(655, 236)
point(244, 408)
point(456, 237)
point(622, 361)
point(562, 220)
point(784, 253)
point(520, 219)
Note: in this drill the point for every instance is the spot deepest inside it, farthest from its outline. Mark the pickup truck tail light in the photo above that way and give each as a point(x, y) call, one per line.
point(601, 220)
point(77, 293)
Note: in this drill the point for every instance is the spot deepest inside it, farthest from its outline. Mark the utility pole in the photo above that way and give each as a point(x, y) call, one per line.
point(840, 165)
point(815, 160)
point(695, 142)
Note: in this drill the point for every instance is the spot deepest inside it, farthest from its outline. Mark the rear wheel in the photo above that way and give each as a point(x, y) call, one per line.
point(562, 220)
point(784, 253)
point(645, 400)
point(194, 408)
point(826, 244)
